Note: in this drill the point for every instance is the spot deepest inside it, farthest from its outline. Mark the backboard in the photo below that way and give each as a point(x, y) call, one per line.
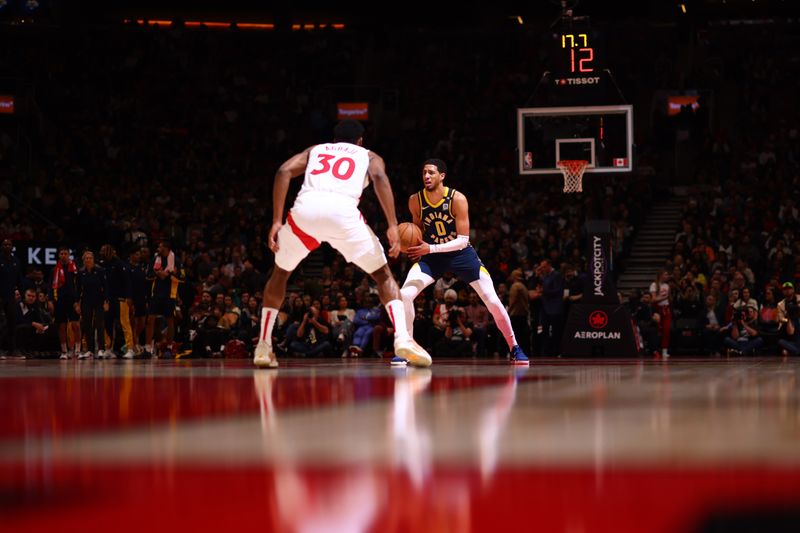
point(601, 135)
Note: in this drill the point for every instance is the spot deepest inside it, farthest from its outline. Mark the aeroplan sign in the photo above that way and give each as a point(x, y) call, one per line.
point(611, 335)
point(599, 330)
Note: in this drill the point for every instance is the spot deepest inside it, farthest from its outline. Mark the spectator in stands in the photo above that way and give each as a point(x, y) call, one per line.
point(199, 312)
point(768, 313)
point(383, 334)
point(34, 279)
point(643, 315)
point(456, 341)
point(311, 338)
point(364, 323)
point(477, 317)
point(230, 314)
point(92, 303)
point(250, 321)
point(789, 296)
point(552, 308)
point(790, 344)
point(10, 283)
point(423, 320)
point(65, 297)
point(45, 308)
point(744, 336)
point(573, 286)
point(688, 305)
point(445, 282)
point(341, 320)
point(747, 299)
point(732, 303)
point(440, 318)
point(34, 333)
point(711, 323)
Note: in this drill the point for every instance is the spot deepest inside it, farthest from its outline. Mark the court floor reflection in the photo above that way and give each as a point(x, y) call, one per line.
point(463, 446)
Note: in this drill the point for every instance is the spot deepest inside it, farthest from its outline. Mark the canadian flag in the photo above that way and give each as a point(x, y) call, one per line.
point(620, 161)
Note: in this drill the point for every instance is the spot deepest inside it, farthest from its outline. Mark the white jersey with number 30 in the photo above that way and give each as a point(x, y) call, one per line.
point(337, 167)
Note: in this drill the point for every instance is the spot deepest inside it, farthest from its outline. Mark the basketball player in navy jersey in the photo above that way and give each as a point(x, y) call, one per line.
point(443, 214)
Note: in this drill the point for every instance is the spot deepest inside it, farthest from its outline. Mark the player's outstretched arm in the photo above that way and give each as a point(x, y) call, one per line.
point(383, 189)
point(293, 167)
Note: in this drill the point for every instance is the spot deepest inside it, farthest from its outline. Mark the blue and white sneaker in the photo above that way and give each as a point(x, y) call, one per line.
point(518, 357)
point(399, 361)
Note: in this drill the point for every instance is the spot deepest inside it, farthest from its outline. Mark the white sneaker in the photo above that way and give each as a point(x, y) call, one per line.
point(64, 355)
point(128, 355)
point(264, 358)
point(85, 355)
point(111, 354)
point(101, 354)
point(412, 352)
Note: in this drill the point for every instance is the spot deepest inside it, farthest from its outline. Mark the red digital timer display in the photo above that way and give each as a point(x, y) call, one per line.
point(581, 53)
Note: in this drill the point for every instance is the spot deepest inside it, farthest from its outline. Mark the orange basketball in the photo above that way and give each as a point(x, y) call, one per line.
point(410, 235)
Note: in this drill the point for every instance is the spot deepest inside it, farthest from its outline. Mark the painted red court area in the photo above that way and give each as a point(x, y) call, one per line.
point(364, 498)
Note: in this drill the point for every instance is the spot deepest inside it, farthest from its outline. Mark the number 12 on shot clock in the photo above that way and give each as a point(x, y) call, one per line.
point(581, 59)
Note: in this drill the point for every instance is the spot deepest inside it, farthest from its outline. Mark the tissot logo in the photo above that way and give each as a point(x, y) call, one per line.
point(592, 80)
point(598, 319)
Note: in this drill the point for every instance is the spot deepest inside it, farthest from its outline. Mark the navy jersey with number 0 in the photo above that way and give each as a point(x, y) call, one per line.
point(438, 222)
point(439, 226)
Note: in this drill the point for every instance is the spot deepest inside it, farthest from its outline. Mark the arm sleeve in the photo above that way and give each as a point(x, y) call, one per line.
point(459, 243)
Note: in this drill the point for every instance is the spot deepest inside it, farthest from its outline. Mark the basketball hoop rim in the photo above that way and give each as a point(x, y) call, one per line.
point(573, 165)
point(572, 170)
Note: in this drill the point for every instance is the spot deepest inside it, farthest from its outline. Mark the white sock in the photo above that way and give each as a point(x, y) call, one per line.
point(397, 314)
point(78, 347)
point(63, 347)
point(268, 316)
point(409, 293)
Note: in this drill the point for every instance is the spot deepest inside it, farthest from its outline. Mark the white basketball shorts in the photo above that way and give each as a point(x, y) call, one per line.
point(331, 218)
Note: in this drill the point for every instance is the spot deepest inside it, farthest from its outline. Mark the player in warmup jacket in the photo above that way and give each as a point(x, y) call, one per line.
point(443, 215)
point(326, 210)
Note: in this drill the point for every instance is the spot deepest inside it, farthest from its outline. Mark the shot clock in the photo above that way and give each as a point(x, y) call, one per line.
point(581, 55)
point(575, 58)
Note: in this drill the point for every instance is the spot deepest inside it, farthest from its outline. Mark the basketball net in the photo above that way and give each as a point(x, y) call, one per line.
point(573, 170)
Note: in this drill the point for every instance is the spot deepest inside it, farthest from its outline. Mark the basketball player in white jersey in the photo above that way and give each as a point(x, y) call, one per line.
point(326, 210)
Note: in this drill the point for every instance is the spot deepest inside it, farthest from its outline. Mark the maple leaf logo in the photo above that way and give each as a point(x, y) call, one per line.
point(598, 319)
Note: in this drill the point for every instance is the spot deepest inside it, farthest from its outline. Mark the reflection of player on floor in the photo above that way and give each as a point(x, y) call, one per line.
point(443, 215)
point(326, 209)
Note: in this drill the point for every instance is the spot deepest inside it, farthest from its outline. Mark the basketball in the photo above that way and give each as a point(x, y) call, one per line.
point(410, 235)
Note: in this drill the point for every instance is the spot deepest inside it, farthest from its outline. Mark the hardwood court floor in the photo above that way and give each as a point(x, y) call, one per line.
point(566, 445)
